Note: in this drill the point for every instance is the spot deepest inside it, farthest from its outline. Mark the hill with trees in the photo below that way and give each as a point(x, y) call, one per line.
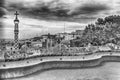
point(105, 30)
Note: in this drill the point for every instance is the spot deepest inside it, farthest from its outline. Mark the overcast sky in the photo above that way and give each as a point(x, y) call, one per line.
point(49, 16)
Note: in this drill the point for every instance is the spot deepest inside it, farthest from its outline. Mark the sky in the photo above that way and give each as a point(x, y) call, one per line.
point(1, 14)
point(39, 17)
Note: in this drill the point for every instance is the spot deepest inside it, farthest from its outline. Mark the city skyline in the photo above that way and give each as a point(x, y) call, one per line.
point(49, 16)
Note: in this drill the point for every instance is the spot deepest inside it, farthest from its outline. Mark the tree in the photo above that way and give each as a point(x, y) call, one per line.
point(100, 21)
point(104, 32)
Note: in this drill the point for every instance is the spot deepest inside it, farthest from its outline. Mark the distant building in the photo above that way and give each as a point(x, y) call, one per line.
point(36, 38)
point(77, 34)
point(48, 40)
point(66, 36)
point(37, 44)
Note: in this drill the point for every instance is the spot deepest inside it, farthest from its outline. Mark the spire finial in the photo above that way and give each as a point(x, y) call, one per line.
point(16, 13)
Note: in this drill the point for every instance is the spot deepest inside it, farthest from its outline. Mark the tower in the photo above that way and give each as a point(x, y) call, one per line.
point(16, 31)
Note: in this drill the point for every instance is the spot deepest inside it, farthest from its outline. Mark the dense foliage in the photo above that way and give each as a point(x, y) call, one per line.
point(105, 30)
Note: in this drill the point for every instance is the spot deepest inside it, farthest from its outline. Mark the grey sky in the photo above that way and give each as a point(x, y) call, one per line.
point(43, 16)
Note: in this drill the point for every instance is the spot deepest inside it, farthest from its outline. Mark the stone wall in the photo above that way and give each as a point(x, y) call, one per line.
point(23, 71)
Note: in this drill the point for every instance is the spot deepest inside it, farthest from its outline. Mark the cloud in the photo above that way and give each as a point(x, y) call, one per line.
point(2, 10)
point(89, 8)
point(54, 8)
point(1, 3)
point(34, 26)
point(59, 9)
point(45, 16)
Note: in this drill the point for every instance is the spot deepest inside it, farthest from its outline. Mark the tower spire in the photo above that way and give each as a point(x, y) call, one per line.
point(16, 16)
point(16, 31)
